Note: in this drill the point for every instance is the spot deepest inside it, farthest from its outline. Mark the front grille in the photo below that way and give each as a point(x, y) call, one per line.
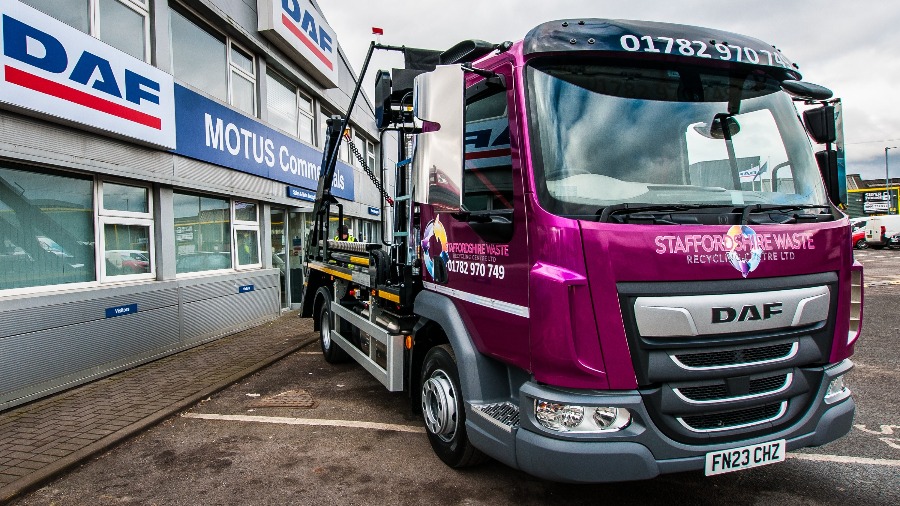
point(705, 393)
point(763, 385)
point(736, 357)
point(734, 419)
point(720, 391)
point(708, 389)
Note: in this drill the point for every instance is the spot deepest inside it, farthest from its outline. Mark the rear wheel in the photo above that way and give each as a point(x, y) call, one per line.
point(443, 410)
point(861, 244)
point(333, 353)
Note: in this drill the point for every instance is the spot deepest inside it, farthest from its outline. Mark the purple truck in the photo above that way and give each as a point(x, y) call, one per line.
point(609, 252)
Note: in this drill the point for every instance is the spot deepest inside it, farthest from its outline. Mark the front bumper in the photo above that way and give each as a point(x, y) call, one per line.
point(640, 451)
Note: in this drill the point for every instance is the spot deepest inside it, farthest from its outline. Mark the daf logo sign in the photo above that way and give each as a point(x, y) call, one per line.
point(749, 312)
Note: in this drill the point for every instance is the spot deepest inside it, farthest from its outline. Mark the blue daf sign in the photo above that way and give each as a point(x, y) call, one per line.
point(213, 133)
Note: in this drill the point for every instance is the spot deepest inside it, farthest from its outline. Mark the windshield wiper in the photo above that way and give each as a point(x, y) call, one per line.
point(761, 208)
point(604, 213)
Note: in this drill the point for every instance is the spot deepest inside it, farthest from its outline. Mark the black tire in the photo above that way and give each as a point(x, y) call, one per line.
point(443, 409)
point(861, 244)
point(333, 353)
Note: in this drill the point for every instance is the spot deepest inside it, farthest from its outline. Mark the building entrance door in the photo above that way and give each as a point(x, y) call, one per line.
point(296, 232)
point(279, 252)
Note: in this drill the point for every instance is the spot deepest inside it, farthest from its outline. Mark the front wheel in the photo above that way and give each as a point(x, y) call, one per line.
point(442, 407)
point(861, 244)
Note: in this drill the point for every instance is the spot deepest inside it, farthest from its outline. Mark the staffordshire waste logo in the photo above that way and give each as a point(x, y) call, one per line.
point(434, 253)
point(745, 262)
point(741, 247)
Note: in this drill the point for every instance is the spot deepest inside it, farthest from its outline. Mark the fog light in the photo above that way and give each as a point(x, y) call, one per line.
point(837, 390)
point(609, 418)
point(558, 417)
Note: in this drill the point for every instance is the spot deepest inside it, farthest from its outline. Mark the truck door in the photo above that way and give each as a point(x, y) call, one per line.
point(484, 251)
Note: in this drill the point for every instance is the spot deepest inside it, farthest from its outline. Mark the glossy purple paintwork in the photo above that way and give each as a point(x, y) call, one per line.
point(564, 272)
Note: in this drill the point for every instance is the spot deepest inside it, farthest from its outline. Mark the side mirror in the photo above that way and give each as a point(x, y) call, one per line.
point(820, 123)
point(828, 166)
point(439, 98)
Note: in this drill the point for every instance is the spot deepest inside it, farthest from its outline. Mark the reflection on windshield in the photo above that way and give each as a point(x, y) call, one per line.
point(612, 135)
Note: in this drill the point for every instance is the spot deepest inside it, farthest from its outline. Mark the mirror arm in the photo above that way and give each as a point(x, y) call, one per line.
point(487, 74)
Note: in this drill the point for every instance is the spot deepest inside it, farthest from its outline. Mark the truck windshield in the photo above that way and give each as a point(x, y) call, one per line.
point(607, 135)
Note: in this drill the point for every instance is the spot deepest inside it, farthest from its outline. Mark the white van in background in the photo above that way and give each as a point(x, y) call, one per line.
point(880, 230)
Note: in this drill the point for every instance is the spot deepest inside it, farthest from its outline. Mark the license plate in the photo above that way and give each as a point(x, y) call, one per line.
point(745, 457)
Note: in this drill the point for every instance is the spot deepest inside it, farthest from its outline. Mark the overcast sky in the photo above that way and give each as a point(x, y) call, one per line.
point(851, 47)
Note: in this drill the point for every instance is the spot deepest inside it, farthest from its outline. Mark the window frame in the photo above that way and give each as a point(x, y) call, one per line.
point(233, 67)
point(230, 44)
point(141, 7)
point(116, 217)
point(310, 115)
point(245, 226)
point(207, 272)
point(371, 155)
point(344, 154)
point(59, 172)
point(300, 95)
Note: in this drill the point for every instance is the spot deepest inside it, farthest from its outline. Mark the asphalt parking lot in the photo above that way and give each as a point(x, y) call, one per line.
point(304, 432)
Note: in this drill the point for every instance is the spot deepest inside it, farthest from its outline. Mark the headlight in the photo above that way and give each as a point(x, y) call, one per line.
point(559, 417)
point(569, 418)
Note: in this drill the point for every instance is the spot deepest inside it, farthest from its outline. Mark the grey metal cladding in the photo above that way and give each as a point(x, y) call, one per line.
point(203, 176)
point(224, 315)
point(697, 315)
point(75, 148)
point(40, 314)
point(226, 285)
point(88, 347)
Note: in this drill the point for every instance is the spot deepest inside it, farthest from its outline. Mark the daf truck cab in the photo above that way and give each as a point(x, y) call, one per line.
point(614, 255)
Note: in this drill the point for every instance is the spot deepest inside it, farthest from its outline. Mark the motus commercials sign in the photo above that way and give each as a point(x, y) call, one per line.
point(214, 133)
point(297, 27)
point(52, 70)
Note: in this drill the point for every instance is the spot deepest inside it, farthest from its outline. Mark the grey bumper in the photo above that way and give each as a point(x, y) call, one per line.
point(640, 451)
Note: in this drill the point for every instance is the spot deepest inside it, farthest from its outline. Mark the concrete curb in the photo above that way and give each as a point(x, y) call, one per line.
point(32, 480)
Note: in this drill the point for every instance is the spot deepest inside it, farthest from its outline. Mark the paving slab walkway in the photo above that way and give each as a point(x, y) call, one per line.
point(40, 439)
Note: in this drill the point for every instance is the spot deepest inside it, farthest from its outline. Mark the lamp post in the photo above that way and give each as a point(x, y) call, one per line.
point(887, 177)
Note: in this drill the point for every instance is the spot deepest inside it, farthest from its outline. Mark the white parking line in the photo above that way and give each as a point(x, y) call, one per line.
point(844, 460)
point(306, 421)
point(409, 428)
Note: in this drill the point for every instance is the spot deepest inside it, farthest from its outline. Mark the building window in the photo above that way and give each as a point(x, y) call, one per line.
point(289, 109)
point(123, 24)
point(126, 231)
point(370, 155)
point(368, 231)
point(202, 233)
point(211, 62)
point(246, 234)
point(46, 229)
point(243, 80)
point(360, 142)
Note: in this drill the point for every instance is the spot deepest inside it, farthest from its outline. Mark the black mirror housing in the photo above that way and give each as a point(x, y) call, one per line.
point(820, 123)
point(382, 99)
point(828, 166)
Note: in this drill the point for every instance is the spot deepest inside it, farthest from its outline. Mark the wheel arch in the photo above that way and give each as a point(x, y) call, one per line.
point(309, 307)
point(481, 378)
point(316, 304)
